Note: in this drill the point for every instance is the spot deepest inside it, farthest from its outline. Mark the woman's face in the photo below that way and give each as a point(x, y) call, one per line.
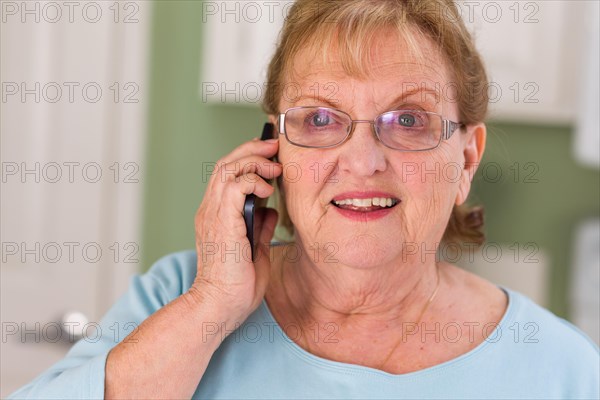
point(424, 185)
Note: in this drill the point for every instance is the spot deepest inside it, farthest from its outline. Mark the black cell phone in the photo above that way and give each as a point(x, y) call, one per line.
point(250, 204)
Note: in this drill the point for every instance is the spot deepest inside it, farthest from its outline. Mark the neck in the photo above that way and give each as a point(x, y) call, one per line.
point(382, 297)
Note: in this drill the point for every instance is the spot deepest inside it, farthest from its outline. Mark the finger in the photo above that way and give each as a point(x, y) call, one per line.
point(264, 148)
point(234, 195)
point(266, 220)
point(246, 171)
point(226, 209)
point(224, 172)
point(251, 164)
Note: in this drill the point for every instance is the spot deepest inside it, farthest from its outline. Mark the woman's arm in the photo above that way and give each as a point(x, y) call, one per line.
point(152, 327)
point(168, 354)
point(171, 306)
point(171, 349)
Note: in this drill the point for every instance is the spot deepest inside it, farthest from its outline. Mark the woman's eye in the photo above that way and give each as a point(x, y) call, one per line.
point(320, 120)
point(407, 120)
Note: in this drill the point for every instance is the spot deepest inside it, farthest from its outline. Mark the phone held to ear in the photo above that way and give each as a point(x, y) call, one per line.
point(250, 204)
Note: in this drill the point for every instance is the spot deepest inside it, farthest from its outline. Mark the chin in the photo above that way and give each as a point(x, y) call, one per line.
point(361, 251)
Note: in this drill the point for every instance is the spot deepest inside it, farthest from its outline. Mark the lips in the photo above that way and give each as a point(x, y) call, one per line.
point(365, 202)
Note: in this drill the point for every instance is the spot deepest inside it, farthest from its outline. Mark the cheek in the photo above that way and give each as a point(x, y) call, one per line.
point(426, 174)
point(304, 175)
point(430, 183)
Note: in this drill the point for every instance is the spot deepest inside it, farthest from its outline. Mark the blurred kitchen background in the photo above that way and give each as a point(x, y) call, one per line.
point(113, 111)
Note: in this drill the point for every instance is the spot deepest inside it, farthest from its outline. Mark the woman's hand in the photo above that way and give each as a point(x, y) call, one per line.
point(227, 279)
point(227, 288)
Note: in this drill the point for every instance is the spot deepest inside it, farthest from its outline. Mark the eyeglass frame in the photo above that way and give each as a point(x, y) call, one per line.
point(448, 128)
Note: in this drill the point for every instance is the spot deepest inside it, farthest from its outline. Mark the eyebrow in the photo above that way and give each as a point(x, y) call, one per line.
point(425, 95)
point(402, 97)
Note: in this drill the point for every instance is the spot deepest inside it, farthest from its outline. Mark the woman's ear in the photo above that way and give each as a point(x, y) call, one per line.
point(472, 153)
point(274, 120)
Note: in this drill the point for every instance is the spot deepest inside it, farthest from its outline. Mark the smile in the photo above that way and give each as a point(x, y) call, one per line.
point(366, 205)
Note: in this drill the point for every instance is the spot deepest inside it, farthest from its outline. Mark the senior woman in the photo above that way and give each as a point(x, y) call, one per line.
point(359, 305)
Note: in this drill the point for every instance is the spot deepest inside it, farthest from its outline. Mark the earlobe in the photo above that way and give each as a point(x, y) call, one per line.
point(274, 120)
point(473, 150)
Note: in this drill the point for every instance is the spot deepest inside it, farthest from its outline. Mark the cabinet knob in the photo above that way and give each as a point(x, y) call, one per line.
point(72, 324)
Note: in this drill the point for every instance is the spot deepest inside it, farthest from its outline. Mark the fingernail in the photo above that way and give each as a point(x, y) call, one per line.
point(272, 140)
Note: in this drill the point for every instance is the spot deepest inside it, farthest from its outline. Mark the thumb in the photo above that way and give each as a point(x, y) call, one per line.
point(266, 220)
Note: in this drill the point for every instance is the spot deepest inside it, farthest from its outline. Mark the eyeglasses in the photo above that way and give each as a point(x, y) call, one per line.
point(404, 130)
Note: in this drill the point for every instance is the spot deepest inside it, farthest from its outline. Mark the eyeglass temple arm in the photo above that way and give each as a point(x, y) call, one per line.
point(281, 124)
point(450, 127)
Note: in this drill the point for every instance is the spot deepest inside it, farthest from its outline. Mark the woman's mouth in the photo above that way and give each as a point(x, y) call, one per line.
point(366, 204)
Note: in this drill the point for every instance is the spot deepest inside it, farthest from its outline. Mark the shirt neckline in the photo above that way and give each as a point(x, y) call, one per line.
point(354, 369)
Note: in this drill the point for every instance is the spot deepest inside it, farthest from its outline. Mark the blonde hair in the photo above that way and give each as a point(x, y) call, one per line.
point(351, 26)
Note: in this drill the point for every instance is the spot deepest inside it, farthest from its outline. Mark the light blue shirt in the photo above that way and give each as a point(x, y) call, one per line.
point(530, 354)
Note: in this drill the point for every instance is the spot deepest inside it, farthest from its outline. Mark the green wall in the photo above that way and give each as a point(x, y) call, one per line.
point(184, 133)
point(544, 202)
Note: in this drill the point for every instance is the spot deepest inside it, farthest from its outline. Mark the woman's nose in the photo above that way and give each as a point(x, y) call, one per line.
point(362, 154)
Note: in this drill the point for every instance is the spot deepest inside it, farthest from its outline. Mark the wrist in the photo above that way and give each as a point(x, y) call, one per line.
point(214, 320)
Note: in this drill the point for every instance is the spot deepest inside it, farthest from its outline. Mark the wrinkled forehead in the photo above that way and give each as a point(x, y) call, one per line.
point(388, 63)
point(403, 60)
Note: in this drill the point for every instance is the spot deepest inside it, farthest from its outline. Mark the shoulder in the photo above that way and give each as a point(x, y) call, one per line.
point(556, 331)
point(550, 347)
point(174, 273)
point(530, 339)
point(514, 310)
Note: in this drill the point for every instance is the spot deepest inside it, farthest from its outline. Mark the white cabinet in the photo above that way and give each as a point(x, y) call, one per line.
point(72, 167)
point(532, 50)
point(238, 41)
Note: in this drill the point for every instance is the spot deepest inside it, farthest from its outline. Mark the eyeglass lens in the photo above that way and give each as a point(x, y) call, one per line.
point(398, 129)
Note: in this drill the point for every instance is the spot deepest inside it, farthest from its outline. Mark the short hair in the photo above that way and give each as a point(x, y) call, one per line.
point(318, 24)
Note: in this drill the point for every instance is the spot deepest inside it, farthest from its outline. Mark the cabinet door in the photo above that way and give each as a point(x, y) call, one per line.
point(533, 53)
point(72, 144)
point(532, 50)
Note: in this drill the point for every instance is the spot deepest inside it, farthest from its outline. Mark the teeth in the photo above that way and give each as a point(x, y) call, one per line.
point(375, 201)
point(361, 202)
